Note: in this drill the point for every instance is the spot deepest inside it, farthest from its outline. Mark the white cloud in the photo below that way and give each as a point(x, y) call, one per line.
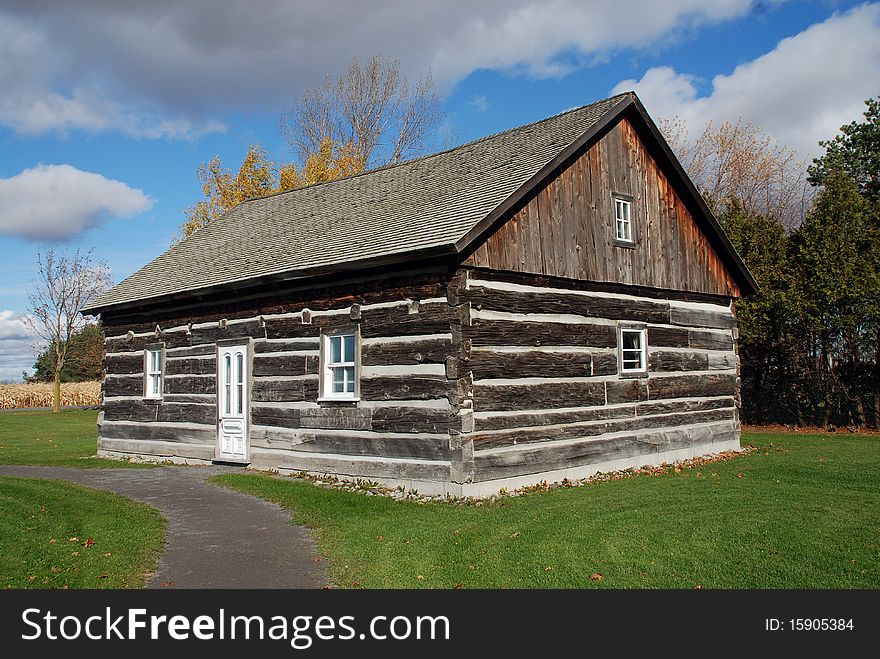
point(16, 346)
point(59, 201)
point(800, 92)
point(479, 102)
point(95, 65)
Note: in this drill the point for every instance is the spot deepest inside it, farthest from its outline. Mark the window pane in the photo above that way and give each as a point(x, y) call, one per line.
point(338, 381)
point(227, 369)
point(240, 398)
point(239, 368)
point(349, 379)
point(632, 340)
point(228, 397)
point(349, 348)
point(335, 349)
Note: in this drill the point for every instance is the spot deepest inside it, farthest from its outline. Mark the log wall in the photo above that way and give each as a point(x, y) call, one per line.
point(403, 423)
point(544, 393)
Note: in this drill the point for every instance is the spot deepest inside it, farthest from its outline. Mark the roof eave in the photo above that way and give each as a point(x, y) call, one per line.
point(289, 276)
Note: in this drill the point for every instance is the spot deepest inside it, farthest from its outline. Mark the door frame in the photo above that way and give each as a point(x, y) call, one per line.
point(247, 343)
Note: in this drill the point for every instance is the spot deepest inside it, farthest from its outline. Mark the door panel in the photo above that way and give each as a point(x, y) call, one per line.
point(232, 403)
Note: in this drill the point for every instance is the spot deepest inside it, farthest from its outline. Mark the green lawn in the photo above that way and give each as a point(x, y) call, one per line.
point(801, 512)
point(56, 535)
point(67, 439)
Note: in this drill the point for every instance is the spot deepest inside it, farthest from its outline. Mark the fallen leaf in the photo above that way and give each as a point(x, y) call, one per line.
point(596, 577)
point(515, 534)
point(698, 587)
point(548, 569)
point(73, 540)
point(740, 475)
point(355, 584)
point(420, 577)
point(380, 538)
point(456, 532)
point(52, 541)
point(65, 587)
point(74, 553)
point(32, 577)
point(101, 576)
point(108, 554)
point(166, 584)
point(458, 586)
point(88, 543)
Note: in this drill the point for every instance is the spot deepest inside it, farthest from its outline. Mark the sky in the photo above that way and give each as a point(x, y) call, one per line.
point(107, 109)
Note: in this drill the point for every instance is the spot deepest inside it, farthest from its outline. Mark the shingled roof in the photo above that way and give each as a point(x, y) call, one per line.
point(398, 213)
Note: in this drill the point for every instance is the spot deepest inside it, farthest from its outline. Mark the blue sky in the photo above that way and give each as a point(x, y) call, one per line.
point(106, 111)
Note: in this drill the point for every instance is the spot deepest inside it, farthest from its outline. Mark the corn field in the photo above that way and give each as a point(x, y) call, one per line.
point(14, 396)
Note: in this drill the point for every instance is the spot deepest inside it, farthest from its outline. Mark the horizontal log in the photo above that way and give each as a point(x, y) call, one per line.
point(366, 466)
point(125, 364)
point(667, 337)
point(331, 418)
point(293, 327)
point(660, 360)
point(544, 395)
point(626, 391)
point(368, 444)
point(515, 333)
point(164, 432)
point(721, 319)
point(724, 361)
point(193, 351)
point(612, 308)
point(535, 458)
point(427, 351)
point(190, 384)
point(240, 330)
point(683, 386)
point(710, 340)
point(305, 389)
point(668, 406)
point(134, 410)
point(414, 420)
point(123, 344)
point(124, 385)
point(604, 363)
point(158, 448)
point(285, 365)
point(434, 318)
point(551, 417)
point(405, 387)
point(286, 346)
point(485, 441)
point(190, 366)
point(486, 364)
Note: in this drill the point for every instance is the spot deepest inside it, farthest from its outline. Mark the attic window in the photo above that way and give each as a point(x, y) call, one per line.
point(623, 225)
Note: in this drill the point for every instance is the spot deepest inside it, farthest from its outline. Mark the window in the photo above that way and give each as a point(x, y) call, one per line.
point(623, 229)
point(633, 351)
point(153, 373)
point(339, 357)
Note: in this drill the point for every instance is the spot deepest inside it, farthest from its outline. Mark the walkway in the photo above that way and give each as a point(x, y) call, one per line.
point(217, 538)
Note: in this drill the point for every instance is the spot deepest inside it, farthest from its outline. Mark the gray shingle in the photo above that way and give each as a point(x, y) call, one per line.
point(424, 203)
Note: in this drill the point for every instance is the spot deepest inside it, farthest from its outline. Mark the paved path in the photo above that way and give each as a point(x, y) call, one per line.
point(217, 538)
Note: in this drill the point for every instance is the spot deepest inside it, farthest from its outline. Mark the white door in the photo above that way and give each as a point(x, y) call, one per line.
point(232, 401)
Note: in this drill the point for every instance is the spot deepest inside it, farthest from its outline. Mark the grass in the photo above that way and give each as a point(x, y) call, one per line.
point(66, 439)
point(803, 511)
point(58, 535)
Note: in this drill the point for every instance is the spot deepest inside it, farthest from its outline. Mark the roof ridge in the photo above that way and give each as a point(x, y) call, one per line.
point(427, 156)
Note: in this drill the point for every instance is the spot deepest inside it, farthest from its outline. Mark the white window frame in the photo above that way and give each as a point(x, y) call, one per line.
point(625, 219)
point(327, 367)
point(151, 374)
point(642, 350)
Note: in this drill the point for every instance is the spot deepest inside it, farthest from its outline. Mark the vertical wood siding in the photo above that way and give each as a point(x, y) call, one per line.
point(566, 228)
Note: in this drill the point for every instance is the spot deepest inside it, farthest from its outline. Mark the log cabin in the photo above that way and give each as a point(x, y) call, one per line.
point(546, 303)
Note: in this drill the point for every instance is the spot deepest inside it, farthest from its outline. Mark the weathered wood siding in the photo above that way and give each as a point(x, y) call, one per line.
point(544, 392)
point(406, 392)
point(566, 228)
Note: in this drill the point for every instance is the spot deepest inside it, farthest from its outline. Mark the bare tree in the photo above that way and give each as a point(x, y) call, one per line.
point(371, 107)
point(738, 160)
point(64, 284)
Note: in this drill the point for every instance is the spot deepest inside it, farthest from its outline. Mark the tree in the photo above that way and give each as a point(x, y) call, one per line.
point(64, 284)
point(836, 261)
point(372, 107)
point(260, 175)
point(739, 161)
point(84, 358)
point(856, 151)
